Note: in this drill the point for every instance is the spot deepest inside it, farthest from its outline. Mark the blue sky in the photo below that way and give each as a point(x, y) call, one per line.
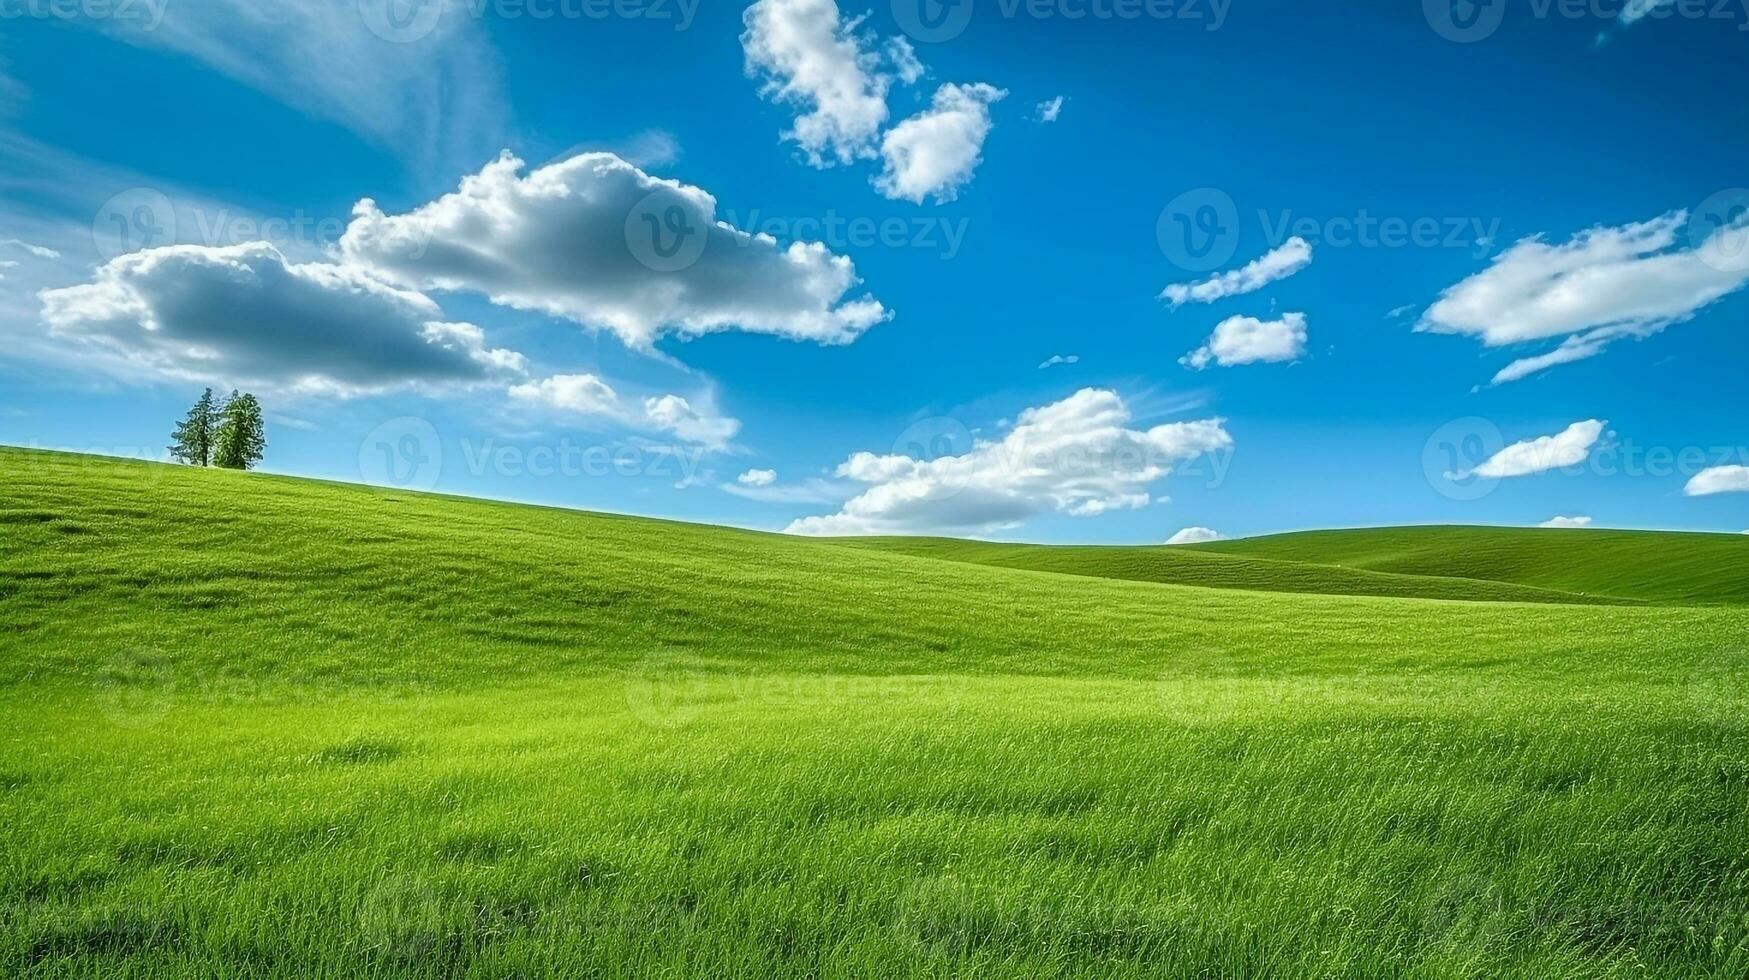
point(902, 268)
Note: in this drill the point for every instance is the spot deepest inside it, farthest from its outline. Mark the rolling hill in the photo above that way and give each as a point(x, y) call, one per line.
point(276, 727)
point(1468, 563)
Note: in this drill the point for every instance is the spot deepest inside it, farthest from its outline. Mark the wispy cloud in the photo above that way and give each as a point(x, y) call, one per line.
point(1276, 264)
point(435, 97)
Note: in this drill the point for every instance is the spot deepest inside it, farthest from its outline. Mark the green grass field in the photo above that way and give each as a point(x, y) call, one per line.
point(266, 727)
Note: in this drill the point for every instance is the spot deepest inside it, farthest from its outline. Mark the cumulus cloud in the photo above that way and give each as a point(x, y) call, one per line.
point(757, 478)
point(1718, 479)
point(598, 241)
point(1604, 285)
point(244, 314)
point(1077, 456)
point(1279, 263)
point(588, 397)
point(809, 57)
point(935, 153)
point(1248, 340)
point(1049, 110)
point(1566, 522)
point(1568, 447)
point(1194, 535)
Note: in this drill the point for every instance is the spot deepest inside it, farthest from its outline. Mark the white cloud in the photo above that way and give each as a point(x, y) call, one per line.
point(904, 60)
point(585, 239)
point(1194, 535)
point(1567, 448)
point(1718, 479)
point(1076, 457)
point(1050, 110)
point(1570, 350)
point(1566, 522)
point(674, 414)
point(436, 97)
point(4, 265)
point(757, 478)
point(1604, 285)
point(38, 251)
point(588, 397)
point(936, 152)
point(244, 314)
point(1294, 254)
point(1056, 359)
point(811, 58)
point(1248, 340)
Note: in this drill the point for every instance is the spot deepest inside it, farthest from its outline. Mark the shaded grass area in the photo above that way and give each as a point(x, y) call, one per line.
point(266, 727)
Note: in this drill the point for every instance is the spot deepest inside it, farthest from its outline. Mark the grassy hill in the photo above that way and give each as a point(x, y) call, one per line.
point(1652, 566)
point(1470, 563)
point(271, 727)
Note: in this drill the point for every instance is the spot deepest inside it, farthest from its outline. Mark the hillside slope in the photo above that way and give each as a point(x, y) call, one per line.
point(300, 579)
point(1653, 566)
point(276, 728)
point(1207, 569)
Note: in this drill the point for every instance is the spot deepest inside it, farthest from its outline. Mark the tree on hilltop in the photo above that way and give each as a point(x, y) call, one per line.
point(241, 438)
point(195, 434)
